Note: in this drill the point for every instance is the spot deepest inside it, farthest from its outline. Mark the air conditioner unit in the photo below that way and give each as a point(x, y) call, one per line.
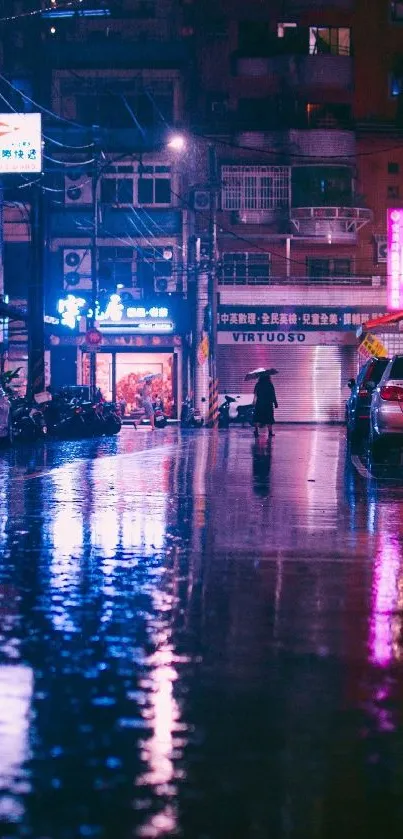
point(201, 199)
point(167, 285)
point(381, 249)
point(78, 188)
point(76, 269)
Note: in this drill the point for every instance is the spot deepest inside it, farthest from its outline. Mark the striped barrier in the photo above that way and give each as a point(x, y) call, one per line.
point(213, 403)
point(37, 371)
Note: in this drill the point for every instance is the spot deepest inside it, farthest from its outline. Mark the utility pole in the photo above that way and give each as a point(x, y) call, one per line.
point(212, 285)
point(206, 388)
point(94, 260)
point(36, 331)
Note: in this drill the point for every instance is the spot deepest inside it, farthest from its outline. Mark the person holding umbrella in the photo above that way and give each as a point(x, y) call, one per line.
point(264, 400)
point(146, 397)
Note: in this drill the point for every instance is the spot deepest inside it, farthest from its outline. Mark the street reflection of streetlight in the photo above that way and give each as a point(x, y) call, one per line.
point(384, 596)
point(67, 532)
point(16, 687)
point(158, 750)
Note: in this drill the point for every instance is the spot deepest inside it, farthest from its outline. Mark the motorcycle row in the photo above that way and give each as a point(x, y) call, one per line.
point(62, 415)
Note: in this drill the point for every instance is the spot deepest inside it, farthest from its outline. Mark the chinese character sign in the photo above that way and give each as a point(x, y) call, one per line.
point(395, 259)
point(285, 319)
point(20, 143)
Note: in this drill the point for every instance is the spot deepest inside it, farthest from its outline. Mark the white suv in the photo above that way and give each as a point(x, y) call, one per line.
point(386, 418)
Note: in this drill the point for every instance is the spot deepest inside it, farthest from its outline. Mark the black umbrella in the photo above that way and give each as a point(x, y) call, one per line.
point(260, 371)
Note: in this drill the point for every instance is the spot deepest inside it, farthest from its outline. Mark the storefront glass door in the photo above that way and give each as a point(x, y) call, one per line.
point(131, 369)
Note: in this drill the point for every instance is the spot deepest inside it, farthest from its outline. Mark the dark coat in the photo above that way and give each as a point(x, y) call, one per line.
point(265, 401)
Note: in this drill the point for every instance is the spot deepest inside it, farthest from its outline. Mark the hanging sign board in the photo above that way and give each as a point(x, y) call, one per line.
point(203, 350)
point(20, 144)
point(395, 258)
point(371, 347)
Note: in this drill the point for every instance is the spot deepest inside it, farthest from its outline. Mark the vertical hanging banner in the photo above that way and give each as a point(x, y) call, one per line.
point(20, 143)
point(203, 350)
point(395, 258)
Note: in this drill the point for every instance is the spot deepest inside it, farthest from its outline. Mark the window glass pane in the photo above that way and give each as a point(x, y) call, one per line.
point(321, 186)
point(319, 40)
point(344, 41)
point(341, 267)
point(395, 85)
point(397, 369)
point(123, 273)
point(146, 191)
point(379, 369)
point(163, 268)
point(397, 11)
point(250, 193)
point(108, 191)
point(265, 193)
point(318, 267)
point(125, 191)
point(162, 191)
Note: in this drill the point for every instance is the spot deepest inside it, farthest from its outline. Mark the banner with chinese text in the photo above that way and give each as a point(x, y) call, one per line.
point(286, 317)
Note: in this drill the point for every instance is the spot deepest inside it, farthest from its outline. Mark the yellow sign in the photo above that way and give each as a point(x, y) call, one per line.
point(371, 346)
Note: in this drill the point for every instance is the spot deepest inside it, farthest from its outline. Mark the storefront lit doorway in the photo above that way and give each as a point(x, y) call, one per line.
point(119, 376)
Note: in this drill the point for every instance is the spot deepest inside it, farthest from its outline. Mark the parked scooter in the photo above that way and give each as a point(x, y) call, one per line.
point(27, 422)
point(190, 416)
point(112, 418)
point(224, 417)
point(64, 419)
point(160, 419)
point(244, 415)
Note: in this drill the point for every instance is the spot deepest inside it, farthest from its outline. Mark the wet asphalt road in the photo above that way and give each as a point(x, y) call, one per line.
point(200, 638)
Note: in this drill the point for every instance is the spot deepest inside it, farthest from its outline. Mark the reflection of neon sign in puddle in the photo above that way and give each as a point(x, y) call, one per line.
point(16, 686)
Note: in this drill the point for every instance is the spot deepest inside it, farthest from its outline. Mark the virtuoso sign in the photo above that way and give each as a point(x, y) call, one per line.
point(395, 259)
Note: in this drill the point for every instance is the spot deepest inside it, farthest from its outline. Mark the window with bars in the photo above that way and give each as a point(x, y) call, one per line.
point(255, 187)
point(245, 269)
point(334, 40)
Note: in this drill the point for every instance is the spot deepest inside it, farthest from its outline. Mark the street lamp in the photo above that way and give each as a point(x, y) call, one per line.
point(177, 142)
point(206, 289)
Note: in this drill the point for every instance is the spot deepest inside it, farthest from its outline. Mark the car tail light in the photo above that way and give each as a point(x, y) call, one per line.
point(391, 393)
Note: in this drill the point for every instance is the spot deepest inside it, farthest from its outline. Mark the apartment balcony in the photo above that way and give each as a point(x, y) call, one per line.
point(333, 72)
point(332, 224)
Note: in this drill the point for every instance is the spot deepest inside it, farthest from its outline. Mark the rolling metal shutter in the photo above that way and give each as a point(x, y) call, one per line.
point(311, 385)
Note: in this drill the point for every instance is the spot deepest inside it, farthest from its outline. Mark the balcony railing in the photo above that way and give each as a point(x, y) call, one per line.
point(328, 280)
point(339, 222)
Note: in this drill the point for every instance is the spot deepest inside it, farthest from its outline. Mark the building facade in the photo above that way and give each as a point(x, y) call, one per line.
point(303, 101)
point(110, 86)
